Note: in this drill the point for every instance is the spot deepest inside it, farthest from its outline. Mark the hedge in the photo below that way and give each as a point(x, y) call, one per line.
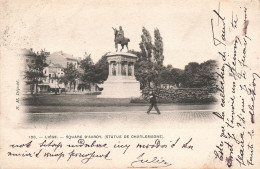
point(179, 95)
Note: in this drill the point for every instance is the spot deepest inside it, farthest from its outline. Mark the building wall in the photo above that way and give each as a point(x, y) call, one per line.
point(57, 61)
point(63, 59)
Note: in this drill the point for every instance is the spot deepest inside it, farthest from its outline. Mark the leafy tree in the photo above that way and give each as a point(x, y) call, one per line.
point(207, 73)
point(87, 62)
point(147, 73)
point(34, 73)
point(101, 69)
point(137, 53)
point(150, 60)
point(87, 65)
point(171, 76)
point(70, 75)
point(64, 80)
point(158, 47)
point(165, 76)
point(191, 75)
point(144, 73)
point(169, 67)
point(94, 73)
point(200, 75)
point(176, 76)
point(146, 45)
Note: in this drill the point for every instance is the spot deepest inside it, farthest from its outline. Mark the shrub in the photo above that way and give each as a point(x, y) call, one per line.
point(179, 95)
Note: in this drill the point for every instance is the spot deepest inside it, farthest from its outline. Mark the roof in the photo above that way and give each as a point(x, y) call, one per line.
point(64, 55)
point(53, 65)
point(75, 59)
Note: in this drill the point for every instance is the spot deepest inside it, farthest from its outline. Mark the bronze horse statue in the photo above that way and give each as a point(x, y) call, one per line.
point(120, 40)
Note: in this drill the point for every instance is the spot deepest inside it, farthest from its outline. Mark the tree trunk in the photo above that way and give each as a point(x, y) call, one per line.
point(34, 93)
point(31, 88)
point(35, 89)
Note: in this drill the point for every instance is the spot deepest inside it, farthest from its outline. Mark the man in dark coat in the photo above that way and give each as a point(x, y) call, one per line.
point(153, 102)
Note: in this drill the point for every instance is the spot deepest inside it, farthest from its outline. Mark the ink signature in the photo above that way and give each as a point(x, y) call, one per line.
point(155, 162)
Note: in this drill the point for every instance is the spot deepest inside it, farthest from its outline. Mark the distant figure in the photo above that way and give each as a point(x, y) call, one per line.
point(153, 102)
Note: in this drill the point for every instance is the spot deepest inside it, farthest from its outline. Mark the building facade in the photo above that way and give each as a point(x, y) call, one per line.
point(53, 80)
point(53, 74)
point(58, 61)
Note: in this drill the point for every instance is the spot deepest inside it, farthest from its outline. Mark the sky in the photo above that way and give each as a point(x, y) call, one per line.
point(86, 26)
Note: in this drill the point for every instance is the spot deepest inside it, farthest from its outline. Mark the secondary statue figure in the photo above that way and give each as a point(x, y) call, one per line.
point(120, 38)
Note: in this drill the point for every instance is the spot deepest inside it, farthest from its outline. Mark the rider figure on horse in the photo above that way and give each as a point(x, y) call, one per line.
point(120, 38)
point(120, 33)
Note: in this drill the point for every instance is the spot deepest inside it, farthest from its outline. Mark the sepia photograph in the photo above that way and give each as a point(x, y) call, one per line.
point(121, 82)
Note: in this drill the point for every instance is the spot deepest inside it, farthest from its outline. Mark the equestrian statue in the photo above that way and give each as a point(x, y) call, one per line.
point(120, 38)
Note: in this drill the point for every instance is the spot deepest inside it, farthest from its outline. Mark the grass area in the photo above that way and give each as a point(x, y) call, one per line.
point(92, 100)
point(90, 103)
point(73, 100)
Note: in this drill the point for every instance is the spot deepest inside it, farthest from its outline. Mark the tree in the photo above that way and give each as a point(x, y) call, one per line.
point(94, 73)
point(146, 45)
point(137, 53)
point(200, 75)
point(143, 73)
point(70, 75)
point(147, 73)
point(191, 75)
point(102, 69)
point(158, 47)
point(207, 73)
point(176, 76)
point(169, 67)
point(165, 76)
point(149, 64)
point(171, 76)
point(34, 73)
point(87, 62)
point(63, 79)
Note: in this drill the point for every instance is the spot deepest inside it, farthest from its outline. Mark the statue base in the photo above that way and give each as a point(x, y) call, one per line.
point(121, 82)
point(120, 87)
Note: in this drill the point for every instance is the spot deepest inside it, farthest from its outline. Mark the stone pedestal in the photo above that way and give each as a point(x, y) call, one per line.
point(121, 82)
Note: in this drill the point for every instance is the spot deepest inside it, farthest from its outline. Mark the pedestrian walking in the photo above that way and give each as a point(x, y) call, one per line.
point(153, 102)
